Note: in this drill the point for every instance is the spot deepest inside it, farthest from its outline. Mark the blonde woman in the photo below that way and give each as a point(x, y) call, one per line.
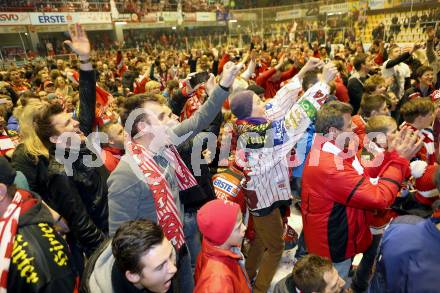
point(31, 156)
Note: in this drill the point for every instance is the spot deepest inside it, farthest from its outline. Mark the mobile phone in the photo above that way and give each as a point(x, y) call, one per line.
point(198, 78)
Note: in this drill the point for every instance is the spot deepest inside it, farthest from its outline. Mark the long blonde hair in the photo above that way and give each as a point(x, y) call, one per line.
point(32, 144)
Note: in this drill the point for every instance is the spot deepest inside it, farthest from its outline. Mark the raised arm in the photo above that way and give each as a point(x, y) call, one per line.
point(290, 128)
point(247, 74)
point(402, 57)
point(87, 81)
point(287, 96)
point(399, 59)
point(209, 110)
point(361, 192)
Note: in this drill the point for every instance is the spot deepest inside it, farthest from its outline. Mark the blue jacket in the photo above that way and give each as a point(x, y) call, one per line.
point(409, 258)
point(302, 149)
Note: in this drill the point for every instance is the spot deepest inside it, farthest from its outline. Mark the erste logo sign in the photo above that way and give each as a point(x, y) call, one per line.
point(54, 19)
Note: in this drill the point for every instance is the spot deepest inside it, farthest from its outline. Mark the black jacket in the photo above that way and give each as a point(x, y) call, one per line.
point(40, 254)
point(34, 170)
point(81, 199)
point(355, 91)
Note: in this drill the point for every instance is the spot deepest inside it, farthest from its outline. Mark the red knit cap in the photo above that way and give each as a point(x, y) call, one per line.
point(216, 220)
point(424, 176)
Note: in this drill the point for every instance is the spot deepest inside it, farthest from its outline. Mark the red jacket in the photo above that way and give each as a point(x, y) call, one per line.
point(341, 90)
point(111, 157)
point(378, 219)
point(336, 195)
point(359, 128)
point(219, 271)
point(271, 87)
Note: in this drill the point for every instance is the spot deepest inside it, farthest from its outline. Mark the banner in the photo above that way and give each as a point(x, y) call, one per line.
point(245, 16)
point(98, 27)
point(376, 4)
point(12, 29)
point(149, 17)
point(290, 14)
point(190, 17)
point(14, 18)
point(168, 16)
point(128, 17)
point(57, 18)
point(205, 16)
point(334, 8)
point(312, 12)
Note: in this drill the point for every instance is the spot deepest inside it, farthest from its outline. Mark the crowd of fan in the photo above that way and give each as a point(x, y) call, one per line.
point(157, 203)
point(123, 6)
point(132, 6)
point(55, 6)
point(426, 20)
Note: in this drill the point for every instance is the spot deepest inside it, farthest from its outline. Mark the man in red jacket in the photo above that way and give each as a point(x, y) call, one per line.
point(336, 193)
point(272, 78)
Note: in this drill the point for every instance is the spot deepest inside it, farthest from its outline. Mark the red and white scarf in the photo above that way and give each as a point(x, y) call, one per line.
point(166, 210)
point(8, 229)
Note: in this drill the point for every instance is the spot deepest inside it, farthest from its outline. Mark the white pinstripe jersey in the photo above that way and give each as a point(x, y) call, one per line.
point(267, 167)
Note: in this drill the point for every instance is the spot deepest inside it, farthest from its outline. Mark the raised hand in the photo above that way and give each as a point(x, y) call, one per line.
point(253, 55)
point(281, 61)
point(230, 71)
point(416, 47)
point(79, 42)
point(210, 84)
point(329, 72)
point(407, 144)
point(311, 64)
point(215, 53)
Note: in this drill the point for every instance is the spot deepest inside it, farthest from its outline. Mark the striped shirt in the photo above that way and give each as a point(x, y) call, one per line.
point(267, 168)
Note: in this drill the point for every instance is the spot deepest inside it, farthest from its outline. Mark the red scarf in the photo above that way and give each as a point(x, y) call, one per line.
point(166, 210)
point(8, 229)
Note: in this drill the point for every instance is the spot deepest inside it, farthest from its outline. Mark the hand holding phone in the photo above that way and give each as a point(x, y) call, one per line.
point(198, 78)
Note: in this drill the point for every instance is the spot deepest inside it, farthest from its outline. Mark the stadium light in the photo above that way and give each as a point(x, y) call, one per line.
point(232, 20)
point(120, 22)
point(173, 28)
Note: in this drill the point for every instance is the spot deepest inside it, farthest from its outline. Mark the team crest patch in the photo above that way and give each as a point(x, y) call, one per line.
point(282, 184)
point(308, 108)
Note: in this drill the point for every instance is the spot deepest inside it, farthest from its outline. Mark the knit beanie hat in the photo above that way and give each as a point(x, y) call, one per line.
point(424, 176)
point(241, 104)
point(216, 220)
